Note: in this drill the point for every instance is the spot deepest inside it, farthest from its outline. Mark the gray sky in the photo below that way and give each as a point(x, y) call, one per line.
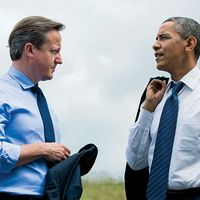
point(108, 59)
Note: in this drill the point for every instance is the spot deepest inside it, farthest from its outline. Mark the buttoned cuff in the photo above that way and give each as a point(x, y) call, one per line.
point(9, 156)
point(145, 118)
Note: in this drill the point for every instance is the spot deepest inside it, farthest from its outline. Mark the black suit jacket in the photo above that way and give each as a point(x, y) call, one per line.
point(136, 180)
point(63, 181)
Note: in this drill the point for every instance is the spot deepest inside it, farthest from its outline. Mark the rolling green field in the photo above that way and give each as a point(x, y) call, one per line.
point(107, 189)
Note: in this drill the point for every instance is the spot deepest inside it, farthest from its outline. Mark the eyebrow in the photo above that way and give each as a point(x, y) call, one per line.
point(162, 34)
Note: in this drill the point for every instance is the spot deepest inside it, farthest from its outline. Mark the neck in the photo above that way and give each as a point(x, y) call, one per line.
point(181, 72)
point(25, 69)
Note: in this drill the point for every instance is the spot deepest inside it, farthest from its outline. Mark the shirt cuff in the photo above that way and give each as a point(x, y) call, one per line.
point(145, 118)
point(10, 155)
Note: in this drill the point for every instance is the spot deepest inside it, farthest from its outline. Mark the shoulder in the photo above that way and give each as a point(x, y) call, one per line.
point(8, 88)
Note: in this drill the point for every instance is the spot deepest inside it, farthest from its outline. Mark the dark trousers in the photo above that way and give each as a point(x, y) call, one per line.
point(189, 198)
point(184, 198)
point(6, 196)
point(187, 194)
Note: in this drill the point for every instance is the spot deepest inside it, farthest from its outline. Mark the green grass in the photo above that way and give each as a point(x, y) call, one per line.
point(106, 189)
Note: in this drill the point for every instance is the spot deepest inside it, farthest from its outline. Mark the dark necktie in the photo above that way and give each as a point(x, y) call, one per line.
point(158, 178)
point(45, 115)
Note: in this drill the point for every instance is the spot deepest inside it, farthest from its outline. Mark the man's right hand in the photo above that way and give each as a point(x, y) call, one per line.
point(154, 94)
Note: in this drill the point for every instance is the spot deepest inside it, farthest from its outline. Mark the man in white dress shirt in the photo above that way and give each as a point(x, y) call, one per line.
point(177, 49)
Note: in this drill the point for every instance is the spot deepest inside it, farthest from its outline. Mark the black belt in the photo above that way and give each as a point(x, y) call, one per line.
point(7, 196)
point(185, 193)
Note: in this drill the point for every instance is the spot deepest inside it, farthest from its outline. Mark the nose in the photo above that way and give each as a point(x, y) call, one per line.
point(156, 45)
point(58, 59)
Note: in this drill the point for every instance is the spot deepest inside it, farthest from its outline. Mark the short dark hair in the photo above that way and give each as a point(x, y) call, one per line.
point(31, 29)
point(187, 27)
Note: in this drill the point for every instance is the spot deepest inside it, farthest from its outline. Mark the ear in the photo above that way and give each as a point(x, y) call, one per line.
point(29, 49)
point(191, 43)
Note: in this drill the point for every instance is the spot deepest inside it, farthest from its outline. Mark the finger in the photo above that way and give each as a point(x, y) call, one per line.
point(67, 154)
point(67, 149)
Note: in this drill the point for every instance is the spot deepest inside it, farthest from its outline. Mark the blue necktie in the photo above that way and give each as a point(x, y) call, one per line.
point(158, 178)
point(45, 115)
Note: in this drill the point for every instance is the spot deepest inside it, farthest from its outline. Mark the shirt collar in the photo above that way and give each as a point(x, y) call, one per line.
point(24, 81)
point(190, 79)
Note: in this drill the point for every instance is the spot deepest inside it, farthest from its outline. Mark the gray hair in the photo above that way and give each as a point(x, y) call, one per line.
point(187, 27)
point(31, 29)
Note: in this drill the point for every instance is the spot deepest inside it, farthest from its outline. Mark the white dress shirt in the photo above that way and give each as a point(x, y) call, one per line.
point(185, 161)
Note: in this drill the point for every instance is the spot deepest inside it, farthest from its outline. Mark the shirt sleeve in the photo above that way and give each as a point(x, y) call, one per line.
point(139, 141)
point(9, 153)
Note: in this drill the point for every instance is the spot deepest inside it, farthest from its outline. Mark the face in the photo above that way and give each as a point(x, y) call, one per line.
point(47, 57)
point(169, 49)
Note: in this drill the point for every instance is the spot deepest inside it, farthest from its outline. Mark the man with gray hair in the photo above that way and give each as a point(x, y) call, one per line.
point(29, 133)
point(165, 138)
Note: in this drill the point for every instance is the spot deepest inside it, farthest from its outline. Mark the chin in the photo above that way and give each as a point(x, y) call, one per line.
point(47, 78)
point(160, 67)
point(50, 77)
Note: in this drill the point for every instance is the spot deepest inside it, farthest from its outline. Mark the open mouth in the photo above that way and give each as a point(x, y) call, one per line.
point(157, 55)
point(53, 69)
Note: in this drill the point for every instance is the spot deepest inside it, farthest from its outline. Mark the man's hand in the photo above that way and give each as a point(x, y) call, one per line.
point(49, 151)
point(56, 152)
point(154, 94)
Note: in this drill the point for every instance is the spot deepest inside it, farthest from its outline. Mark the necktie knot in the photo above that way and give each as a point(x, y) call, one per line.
point(176, 88)
point(36, 90)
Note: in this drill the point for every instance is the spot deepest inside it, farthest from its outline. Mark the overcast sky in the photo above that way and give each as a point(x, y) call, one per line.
point(107, 61)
